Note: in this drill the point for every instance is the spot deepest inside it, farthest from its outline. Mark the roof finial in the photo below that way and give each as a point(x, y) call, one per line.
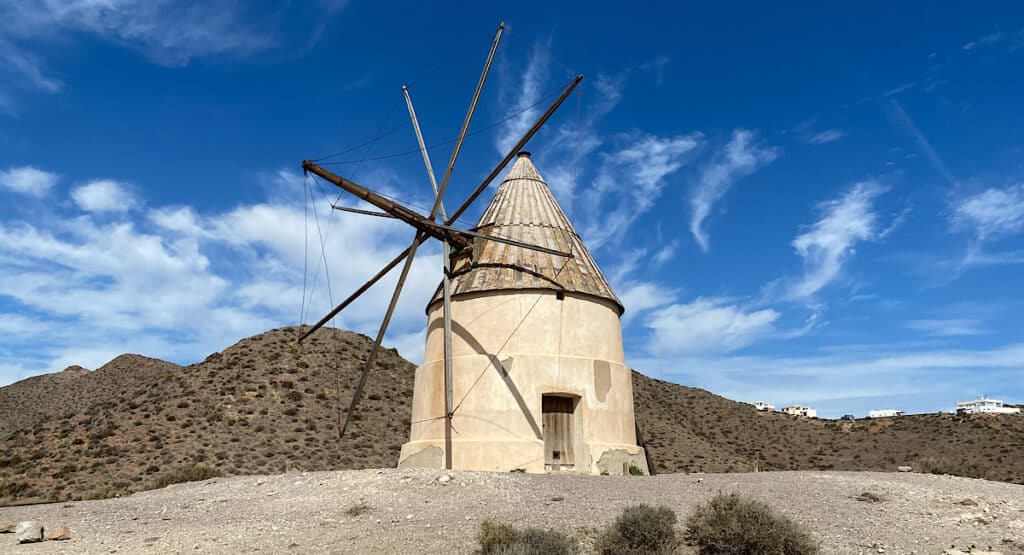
point(523, 154)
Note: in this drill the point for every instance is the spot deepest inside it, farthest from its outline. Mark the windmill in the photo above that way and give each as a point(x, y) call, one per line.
point(468, 252)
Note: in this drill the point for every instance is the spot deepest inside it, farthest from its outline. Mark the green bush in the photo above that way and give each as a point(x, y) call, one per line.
point(502, 539)
point(635, 470)
point(640, 529)
point(737, 525)
point(197, 473)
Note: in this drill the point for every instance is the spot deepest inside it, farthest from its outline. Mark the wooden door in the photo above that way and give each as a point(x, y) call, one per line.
point(558, 432)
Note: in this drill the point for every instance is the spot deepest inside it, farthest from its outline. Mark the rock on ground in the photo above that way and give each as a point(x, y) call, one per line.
point(29, 531)
point(412, 511)
point(58, 534)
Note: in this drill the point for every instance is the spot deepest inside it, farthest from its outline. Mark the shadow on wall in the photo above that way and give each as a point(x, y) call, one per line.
point(502, 367)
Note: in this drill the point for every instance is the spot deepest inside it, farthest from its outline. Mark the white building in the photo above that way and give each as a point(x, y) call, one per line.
point(800, 410)
point(885, 413)
point(984, 405)
point(764, 407)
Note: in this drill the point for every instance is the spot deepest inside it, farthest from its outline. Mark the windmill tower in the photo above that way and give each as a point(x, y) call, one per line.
point(523, 364)
point(539, 379)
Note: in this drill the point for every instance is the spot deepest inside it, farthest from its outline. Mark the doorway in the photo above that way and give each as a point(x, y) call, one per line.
point(558, 412)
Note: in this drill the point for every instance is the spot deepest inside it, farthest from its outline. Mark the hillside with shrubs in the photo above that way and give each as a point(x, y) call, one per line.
point(268, 405)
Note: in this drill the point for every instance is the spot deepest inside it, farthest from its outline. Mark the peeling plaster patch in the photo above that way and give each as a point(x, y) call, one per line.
point(428, 457)
point(602, 379)
point(617, 461)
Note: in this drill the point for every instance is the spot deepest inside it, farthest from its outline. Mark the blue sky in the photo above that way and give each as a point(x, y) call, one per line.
point(810, 204)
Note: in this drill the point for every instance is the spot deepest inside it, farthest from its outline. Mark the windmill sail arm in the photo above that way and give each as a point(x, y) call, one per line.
point(380, 201)
point(364, 212)
point(507, 241)
point(389, 206)
point(515, 149)
point(356, 294)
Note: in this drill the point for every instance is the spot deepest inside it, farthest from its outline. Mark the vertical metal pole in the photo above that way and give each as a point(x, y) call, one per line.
point(448, 396)
point(445, 286)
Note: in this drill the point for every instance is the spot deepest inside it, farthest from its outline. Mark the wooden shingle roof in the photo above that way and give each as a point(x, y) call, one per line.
point(524, 209)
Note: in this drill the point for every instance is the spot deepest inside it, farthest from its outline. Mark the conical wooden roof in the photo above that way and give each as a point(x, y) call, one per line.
point(524, 209)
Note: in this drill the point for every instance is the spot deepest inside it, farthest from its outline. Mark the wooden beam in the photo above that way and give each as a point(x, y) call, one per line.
point(407, 215)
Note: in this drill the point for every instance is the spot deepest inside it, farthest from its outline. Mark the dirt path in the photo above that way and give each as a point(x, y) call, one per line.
point(412, 511)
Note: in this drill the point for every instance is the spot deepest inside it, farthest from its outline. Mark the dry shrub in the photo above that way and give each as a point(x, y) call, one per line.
point(357, 510)
point(502, 539)
point(640, 529)
point(732, 524)
point(935, 465)
point(197, 473)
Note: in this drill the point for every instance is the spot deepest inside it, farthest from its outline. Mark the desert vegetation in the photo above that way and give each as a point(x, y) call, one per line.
point(733, 524)
point(728, 524)
point(268, 405)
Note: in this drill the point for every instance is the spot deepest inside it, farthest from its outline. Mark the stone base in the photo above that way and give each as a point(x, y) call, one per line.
point(521, 456)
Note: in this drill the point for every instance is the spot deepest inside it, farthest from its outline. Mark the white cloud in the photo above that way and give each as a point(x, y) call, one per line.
point(28, 180)
point(826, 136)
point(639, 297)
point(991, 213)
point(527, 92)
point(901, 118)
point(853, 379)
point(987, 40)
point(740, 157)
point(949, 327)
point(707, 325)
point(172, 283)
point(104, 195)
point(830, 241)
point(629, 183)
point(665, 254)
point(26, 68)
point(168, 32)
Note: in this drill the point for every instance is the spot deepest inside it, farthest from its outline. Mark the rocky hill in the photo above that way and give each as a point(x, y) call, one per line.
point(267, 405)
point(51, 396)
point(687, 429)
point(264, 405)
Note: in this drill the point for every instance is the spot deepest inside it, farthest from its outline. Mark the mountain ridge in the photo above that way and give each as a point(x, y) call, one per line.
point(267, 404)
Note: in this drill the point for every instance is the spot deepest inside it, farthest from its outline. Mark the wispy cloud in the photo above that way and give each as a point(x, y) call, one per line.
point(992, 213)
point(988, 216)
point(168, 32)
point(900, 117)
point(25, 68)
point(830, 241)
point(104, 195)
point(740, 157)
point(28, 180)
point(826, 136)
point(987, 40)
point(707, 325)
point(949, 327)
point(630, 182)
point(664, 254)
point(641, 296)
point(521, 93)
point(854, 380)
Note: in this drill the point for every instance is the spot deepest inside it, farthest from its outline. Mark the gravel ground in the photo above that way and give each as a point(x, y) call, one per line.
point(418, 511)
